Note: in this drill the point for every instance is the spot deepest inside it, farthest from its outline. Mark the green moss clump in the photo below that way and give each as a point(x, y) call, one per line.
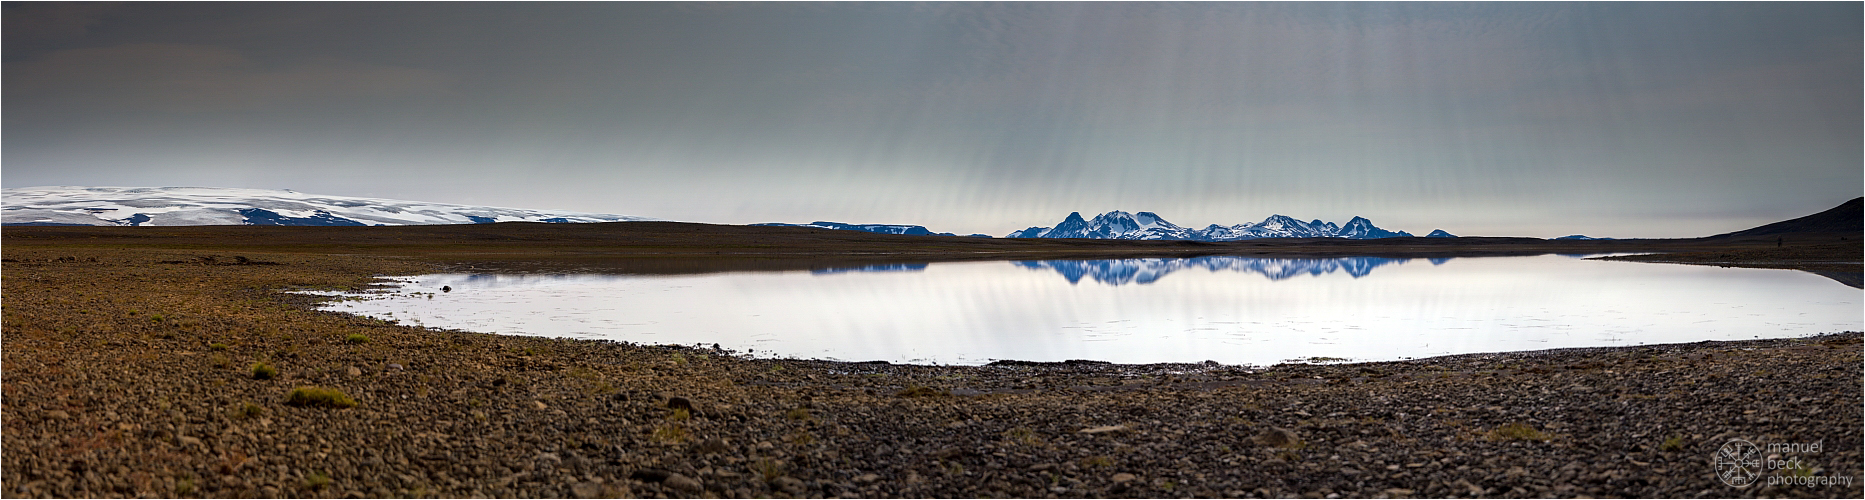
point(920, 391)
point(316, 481)
point(1673, 443)
point(319, 397)
point(248, 410)
point(263, 371)
point(356, 338)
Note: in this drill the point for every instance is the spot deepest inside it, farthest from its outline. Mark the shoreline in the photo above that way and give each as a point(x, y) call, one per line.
point(126, 376)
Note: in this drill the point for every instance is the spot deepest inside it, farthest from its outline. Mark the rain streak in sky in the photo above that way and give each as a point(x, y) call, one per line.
point(1508, 119)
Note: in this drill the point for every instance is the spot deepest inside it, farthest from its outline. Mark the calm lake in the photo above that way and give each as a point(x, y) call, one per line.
point(1233, 310)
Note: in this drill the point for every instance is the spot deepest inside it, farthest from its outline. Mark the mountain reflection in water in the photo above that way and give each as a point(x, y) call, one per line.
point(1146, 271)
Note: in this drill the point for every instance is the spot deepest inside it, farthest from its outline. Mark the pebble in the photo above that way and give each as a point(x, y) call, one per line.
point(650, 475)
point(790, 485)
point(1277, 437)
point(1123, 477)
point(681, 482)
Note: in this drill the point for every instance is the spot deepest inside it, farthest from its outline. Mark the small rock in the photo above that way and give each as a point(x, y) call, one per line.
point(1103, 429)
point(356, 372)
point(585, 489)
point(1465, 484)
point(1277, 437)
point(396, 366)
point(681, 482)
point(789, 485)
point(57, 415)
point(1059, 489)
point(867, 478)
point(950, 453)
point(1124, 477)
point(188, 440)
point(714, 445)
point(1042, 467)
point(650, 475)
point(541, 405)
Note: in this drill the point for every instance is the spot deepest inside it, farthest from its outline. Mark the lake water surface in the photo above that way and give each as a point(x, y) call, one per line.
point(1233, 310)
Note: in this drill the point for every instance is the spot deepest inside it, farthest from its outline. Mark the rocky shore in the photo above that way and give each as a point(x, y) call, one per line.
point(178, 373)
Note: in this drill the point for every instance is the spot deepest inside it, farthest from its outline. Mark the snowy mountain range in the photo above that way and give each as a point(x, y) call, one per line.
point(198, 206)
point(194, 206)
point(1120, 225)
point(1145, 271)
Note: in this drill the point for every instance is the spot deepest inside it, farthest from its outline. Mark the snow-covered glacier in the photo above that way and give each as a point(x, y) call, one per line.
point(202, 206)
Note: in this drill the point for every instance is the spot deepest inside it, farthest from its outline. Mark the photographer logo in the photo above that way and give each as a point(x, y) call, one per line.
point(1738, 463)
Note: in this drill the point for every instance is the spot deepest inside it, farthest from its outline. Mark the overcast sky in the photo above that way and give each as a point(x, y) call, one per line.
point(1506, 119)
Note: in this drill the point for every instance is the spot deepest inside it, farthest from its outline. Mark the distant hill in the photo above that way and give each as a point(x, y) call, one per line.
point(1848, 217)
point(203, 206)
point(872, 228)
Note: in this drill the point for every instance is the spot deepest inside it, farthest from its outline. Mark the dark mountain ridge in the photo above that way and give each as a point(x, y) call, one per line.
point(1848, 217)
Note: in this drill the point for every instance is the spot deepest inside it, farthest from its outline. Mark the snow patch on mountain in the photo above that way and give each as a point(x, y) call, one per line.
point(203, 206)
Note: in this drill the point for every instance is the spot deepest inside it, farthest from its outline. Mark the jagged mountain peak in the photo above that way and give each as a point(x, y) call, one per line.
point(1150, 226)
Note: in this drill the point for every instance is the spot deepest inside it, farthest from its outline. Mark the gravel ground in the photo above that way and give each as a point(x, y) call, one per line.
point(126, 376)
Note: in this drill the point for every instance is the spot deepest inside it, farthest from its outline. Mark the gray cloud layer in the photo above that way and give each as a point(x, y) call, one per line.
point(1643, 119)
